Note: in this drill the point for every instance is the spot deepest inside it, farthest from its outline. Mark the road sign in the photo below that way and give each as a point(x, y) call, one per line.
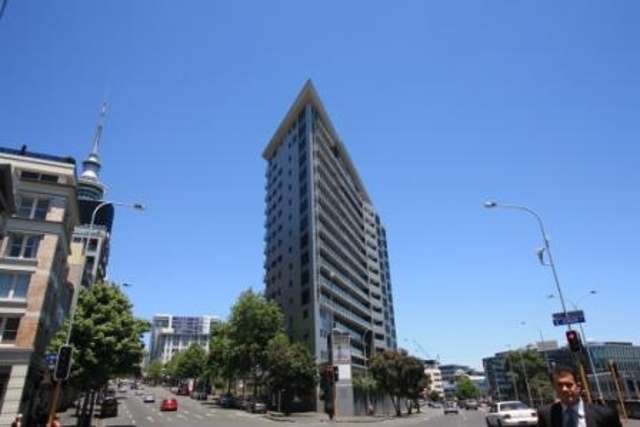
point(51, 359)
point(568, 318)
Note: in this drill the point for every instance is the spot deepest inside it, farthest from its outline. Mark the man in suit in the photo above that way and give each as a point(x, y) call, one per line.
point(571, 410)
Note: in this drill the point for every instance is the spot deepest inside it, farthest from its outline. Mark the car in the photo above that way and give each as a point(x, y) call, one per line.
point(169, 405)
point(149, 398)
point(511, 413)
point(256, 407)
point(199, 395)
point(471, 404)
point(432, 404)
point(451, 407)
point(109, 407)
point(227, 401)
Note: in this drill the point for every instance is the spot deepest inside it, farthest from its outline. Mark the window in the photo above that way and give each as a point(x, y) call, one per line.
point(33, 208)
point(304, 258)
point(305, 297)
point(35, 176)
point(305, 313)
point(9, 329)
point(23, 246)
point(14, 286)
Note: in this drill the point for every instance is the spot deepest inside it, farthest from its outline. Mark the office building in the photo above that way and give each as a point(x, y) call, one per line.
point(624, 354)
point(7, 201)
point(172, 334)
point(432, 370)
point(326, 260)
point(35, 261)
point(94, 238)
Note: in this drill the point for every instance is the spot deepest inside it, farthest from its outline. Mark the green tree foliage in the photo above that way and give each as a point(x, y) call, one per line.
point(222, 362)
point(536, 372)
point(191, 363)
point(291, 367)
point(253, 322)
point(434, 396)
point(106, 338)
point(466, 389)
point(398, 375)
point(155, 371)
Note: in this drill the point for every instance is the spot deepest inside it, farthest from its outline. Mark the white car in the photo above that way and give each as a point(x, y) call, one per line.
point(149, 398)
point(511, 413)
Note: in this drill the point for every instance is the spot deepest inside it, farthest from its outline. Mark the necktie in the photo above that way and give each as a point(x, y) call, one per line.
point(571, 418)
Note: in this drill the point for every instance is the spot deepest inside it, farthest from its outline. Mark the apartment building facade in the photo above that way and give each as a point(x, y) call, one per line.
point(326, 259)
point(173, 334)
point(35, 290)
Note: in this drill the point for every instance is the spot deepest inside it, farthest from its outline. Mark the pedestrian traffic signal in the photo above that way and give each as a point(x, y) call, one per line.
point(335, 374)
point(63, 364)
point(573, 338)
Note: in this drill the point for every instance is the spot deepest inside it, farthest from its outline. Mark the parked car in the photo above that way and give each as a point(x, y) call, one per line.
point(174, 390)
point(199, 395)
point(227, 401)
point(451, 407)
point(432, 404)
point(511, 413)
point(256, 407)
point(109, 407)
point(471, 404)
point(183, 391)
point(149, 398)
point(169, 405)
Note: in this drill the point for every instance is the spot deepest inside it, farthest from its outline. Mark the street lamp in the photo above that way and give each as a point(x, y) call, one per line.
point(586, 341)
point(547, 248)
point(136, 206)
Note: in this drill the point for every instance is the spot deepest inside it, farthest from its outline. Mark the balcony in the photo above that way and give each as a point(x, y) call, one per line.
point(345, 296)
point(346, 255)
point(336, 260)
point(345, 314)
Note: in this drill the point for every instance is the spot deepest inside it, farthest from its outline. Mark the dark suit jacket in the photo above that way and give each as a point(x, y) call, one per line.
point(595, 416)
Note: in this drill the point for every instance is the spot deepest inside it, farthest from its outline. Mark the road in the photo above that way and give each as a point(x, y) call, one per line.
point(132, 412)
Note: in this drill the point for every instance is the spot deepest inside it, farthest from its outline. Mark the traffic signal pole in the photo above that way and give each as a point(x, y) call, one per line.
point(54, 403)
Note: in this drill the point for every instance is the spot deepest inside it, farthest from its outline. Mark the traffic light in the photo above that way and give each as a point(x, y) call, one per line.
point(335, 374)
point(63, 364)
point(573, 338)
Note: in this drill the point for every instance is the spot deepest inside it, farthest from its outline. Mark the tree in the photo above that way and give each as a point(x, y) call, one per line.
point(291, 368)
point(191, 362)
point(466, 389)
point(537, 374)
point(366, 384)
point(106, 338)
point(155, 371)
point(434, 396)
point(253, 323)
point(222, 362)
point(399, 376)
point(414, 381)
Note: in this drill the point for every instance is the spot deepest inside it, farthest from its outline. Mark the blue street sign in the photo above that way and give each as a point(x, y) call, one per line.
point(568, 318)
point(51, 359)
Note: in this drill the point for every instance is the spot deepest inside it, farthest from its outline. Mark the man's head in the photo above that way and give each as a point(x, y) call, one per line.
point(566, 384)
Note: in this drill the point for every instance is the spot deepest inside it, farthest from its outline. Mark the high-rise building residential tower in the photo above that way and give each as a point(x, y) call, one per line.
point(326, 260)
point(172, 334)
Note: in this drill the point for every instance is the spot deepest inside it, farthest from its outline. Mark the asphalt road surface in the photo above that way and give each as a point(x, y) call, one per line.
point(133, 412)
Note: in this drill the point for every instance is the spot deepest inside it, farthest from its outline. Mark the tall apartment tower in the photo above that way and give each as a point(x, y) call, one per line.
point(172, 334)
point(93, 239)
point(36, 288)
point(326, 260)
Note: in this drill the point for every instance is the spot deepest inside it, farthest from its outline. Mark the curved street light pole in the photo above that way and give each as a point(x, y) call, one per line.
point(136, 206)
point(492, 204)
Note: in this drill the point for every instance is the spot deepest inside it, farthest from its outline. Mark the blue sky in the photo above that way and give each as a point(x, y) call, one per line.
point(441, 105)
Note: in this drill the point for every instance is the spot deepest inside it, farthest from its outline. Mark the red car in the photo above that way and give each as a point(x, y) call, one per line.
point(169, 405)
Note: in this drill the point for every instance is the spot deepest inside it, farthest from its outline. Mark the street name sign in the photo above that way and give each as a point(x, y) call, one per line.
point(568, 318)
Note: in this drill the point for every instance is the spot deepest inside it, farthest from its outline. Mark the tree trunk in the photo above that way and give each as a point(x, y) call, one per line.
point(417, 404)
point(93, 403)
point(396, 405)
